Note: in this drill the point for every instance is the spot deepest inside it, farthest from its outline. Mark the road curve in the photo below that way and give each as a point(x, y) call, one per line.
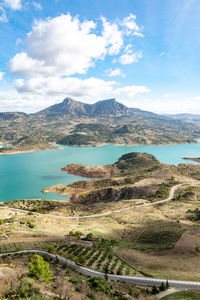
point(146, 281)
point(171, 195)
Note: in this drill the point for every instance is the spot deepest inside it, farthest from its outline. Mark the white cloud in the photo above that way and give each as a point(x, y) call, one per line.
point(115, 72)
point(129, 58)
point(196, 98)
point(130, 91)
point(162, 53)
point(59, 46)
point(112, 36)
point(3, 16)
point(13, 4)
point(86, 89)
point(13, 101)
point(1, 75)
point(37, 5)
point(71, 86)
point(64, 46)
point(130, 26)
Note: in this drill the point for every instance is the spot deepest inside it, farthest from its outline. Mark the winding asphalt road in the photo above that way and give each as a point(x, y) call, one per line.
point(146, 281)
point(171, 195)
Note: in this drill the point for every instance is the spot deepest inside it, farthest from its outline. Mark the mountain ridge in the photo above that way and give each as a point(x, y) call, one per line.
point(75, 123)
point(76, 108)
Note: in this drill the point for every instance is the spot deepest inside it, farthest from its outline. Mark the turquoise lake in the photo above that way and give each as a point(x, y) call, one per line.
point(24, 175)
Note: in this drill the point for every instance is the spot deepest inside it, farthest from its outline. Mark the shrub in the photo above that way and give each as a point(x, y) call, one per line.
point(91, 296)
point(30, 225)
point(51, 249)
point(26, 288)
point(100, 285)
point(75, 280)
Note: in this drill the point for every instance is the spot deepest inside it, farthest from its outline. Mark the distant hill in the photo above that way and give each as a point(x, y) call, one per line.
point(192, 118)
point(12, 115)
point(71, 122)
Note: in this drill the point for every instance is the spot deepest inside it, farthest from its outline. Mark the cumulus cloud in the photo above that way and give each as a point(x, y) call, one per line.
point(1, 75)
point(130, 26)
point(3, 16)
point(87, 89)
point(13, 4)
point(115, 72)
point(66, 46)
point(71, 86)
point(59, 46)
point(129, 58)
point(113, 36)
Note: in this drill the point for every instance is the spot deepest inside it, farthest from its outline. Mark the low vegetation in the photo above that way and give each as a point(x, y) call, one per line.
point(65, 284)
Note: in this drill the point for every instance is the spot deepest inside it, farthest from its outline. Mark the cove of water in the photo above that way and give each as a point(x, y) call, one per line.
point(24, 175)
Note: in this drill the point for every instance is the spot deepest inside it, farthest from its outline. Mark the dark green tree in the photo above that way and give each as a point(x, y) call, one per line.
point(167, 284)
point(155, 290)
point(162, 287)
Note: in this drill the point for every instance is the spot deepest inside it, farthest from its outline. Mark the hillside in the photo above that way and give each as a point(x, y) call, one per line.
point(191, 118)
point(134, 175)
point(117, 181)
point(105, 122)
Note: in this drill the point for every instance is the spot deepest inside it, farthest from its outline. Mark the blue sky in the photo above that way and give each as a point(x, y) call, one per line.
point(144, 53)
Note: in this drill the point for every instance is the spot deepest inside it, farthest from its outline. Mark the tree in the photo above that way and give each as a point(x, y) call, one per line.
point(167, 284)
point(39, 268)
point(162, 287)
point(154, 290)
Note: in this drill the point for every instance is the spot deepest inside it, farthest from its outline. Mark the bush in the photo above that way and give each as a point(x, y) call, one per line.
point(51, 249)
point(100, 285)
point(91, 296)
point(30, 225)
point(75, 280)
point(26, 288)
point(39, 268)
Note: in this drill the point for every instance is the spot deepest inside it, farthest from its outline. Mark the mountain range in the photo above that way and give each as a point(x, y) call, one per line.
point(105, 122)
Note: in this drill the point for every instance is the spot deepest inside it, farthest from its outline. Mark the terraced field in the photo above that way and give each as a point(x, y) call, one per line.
point(95, 258)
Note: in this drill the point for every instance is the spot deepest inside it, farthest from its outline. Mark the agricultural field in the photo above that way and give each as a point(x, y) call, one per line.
point(66, 283)
point(95, 258)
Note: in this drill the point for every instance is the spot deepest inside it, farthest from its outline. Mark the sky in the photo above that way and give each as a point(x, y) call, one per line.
point(144, 53)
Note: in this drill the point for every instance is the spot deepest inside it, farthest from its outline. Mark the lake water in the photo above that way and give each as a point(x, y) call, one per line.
point(24, 175)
